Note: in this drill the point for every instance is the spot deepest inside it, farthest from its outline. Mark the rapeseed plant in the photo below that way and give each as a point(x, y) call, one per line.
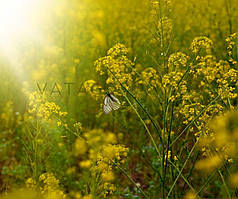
point(172, 65)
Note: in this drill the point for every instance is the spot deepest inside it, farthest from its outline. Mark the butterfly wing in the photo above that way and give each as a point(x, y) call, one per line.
point(114, 102)
point(106, 105)
point(110, 103)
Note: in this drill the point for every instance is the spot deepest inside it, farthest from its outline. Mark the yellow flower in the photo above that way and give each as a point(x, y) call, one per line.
point(234, 180)
point(108, 176)
point(200, 43)
point(209, 163)
point(88, 197)
point(80, 147)
point(85, 164)
point(190, 195)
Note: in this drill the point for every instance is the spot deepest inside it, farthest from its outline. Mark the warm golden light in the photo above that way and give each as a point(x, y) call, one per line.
point(20, 26)
point(15, 17)
point(19, 21)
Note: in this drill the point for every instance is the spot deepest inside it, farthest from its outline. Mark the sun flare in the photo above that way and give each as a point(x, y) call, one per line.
point(18, 21)
point(118, 99)
point(14, 18)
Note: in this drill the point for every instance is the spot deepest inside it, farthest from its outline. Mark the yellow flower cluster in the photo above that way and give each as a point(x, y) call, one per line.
point(49, 186)
point(30, 183)
point(222, 141)
point(232, 43)
point(172, 79)
point(108, 189)
point(210, 78)
point(150, 77)
point(165, 27)
point(93, 89)
point(225, 128)
point(99, 151)
point(117, 68)
point(80, 147)
point(156, 3)
point(90, 143)
point(48, 108)
point(209, 164)
point(171, 82)
point(42, 108)
point(8, 117)
point(78, 126)
point(216, 73)
point(192, 110)
point(177, 61)
point(117, 51)
point(201, 43)
point(109, 156)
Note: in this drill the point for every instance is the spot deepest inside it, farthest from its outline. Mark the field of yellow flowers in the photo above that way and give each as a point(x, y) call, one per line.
point(120, 99)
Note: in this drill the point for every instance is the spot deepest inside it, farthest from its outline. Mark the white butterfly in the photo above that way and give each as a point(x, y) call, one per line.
point(110, 103)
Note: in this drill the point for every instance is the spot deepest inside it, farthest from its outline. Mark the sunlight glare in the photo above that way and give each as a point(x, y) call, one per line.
point(21, 23)
point(15, 20)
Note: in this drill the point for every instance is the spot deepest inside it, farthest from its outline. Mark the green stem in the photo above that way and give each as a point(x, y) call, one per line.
point(146, 112)
point(207, 181)
point(180, 173)
point(224, 183)
point(169, 134)
point(190, 186)
point(129, 177)
point(185, 129)
point(142, 121)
